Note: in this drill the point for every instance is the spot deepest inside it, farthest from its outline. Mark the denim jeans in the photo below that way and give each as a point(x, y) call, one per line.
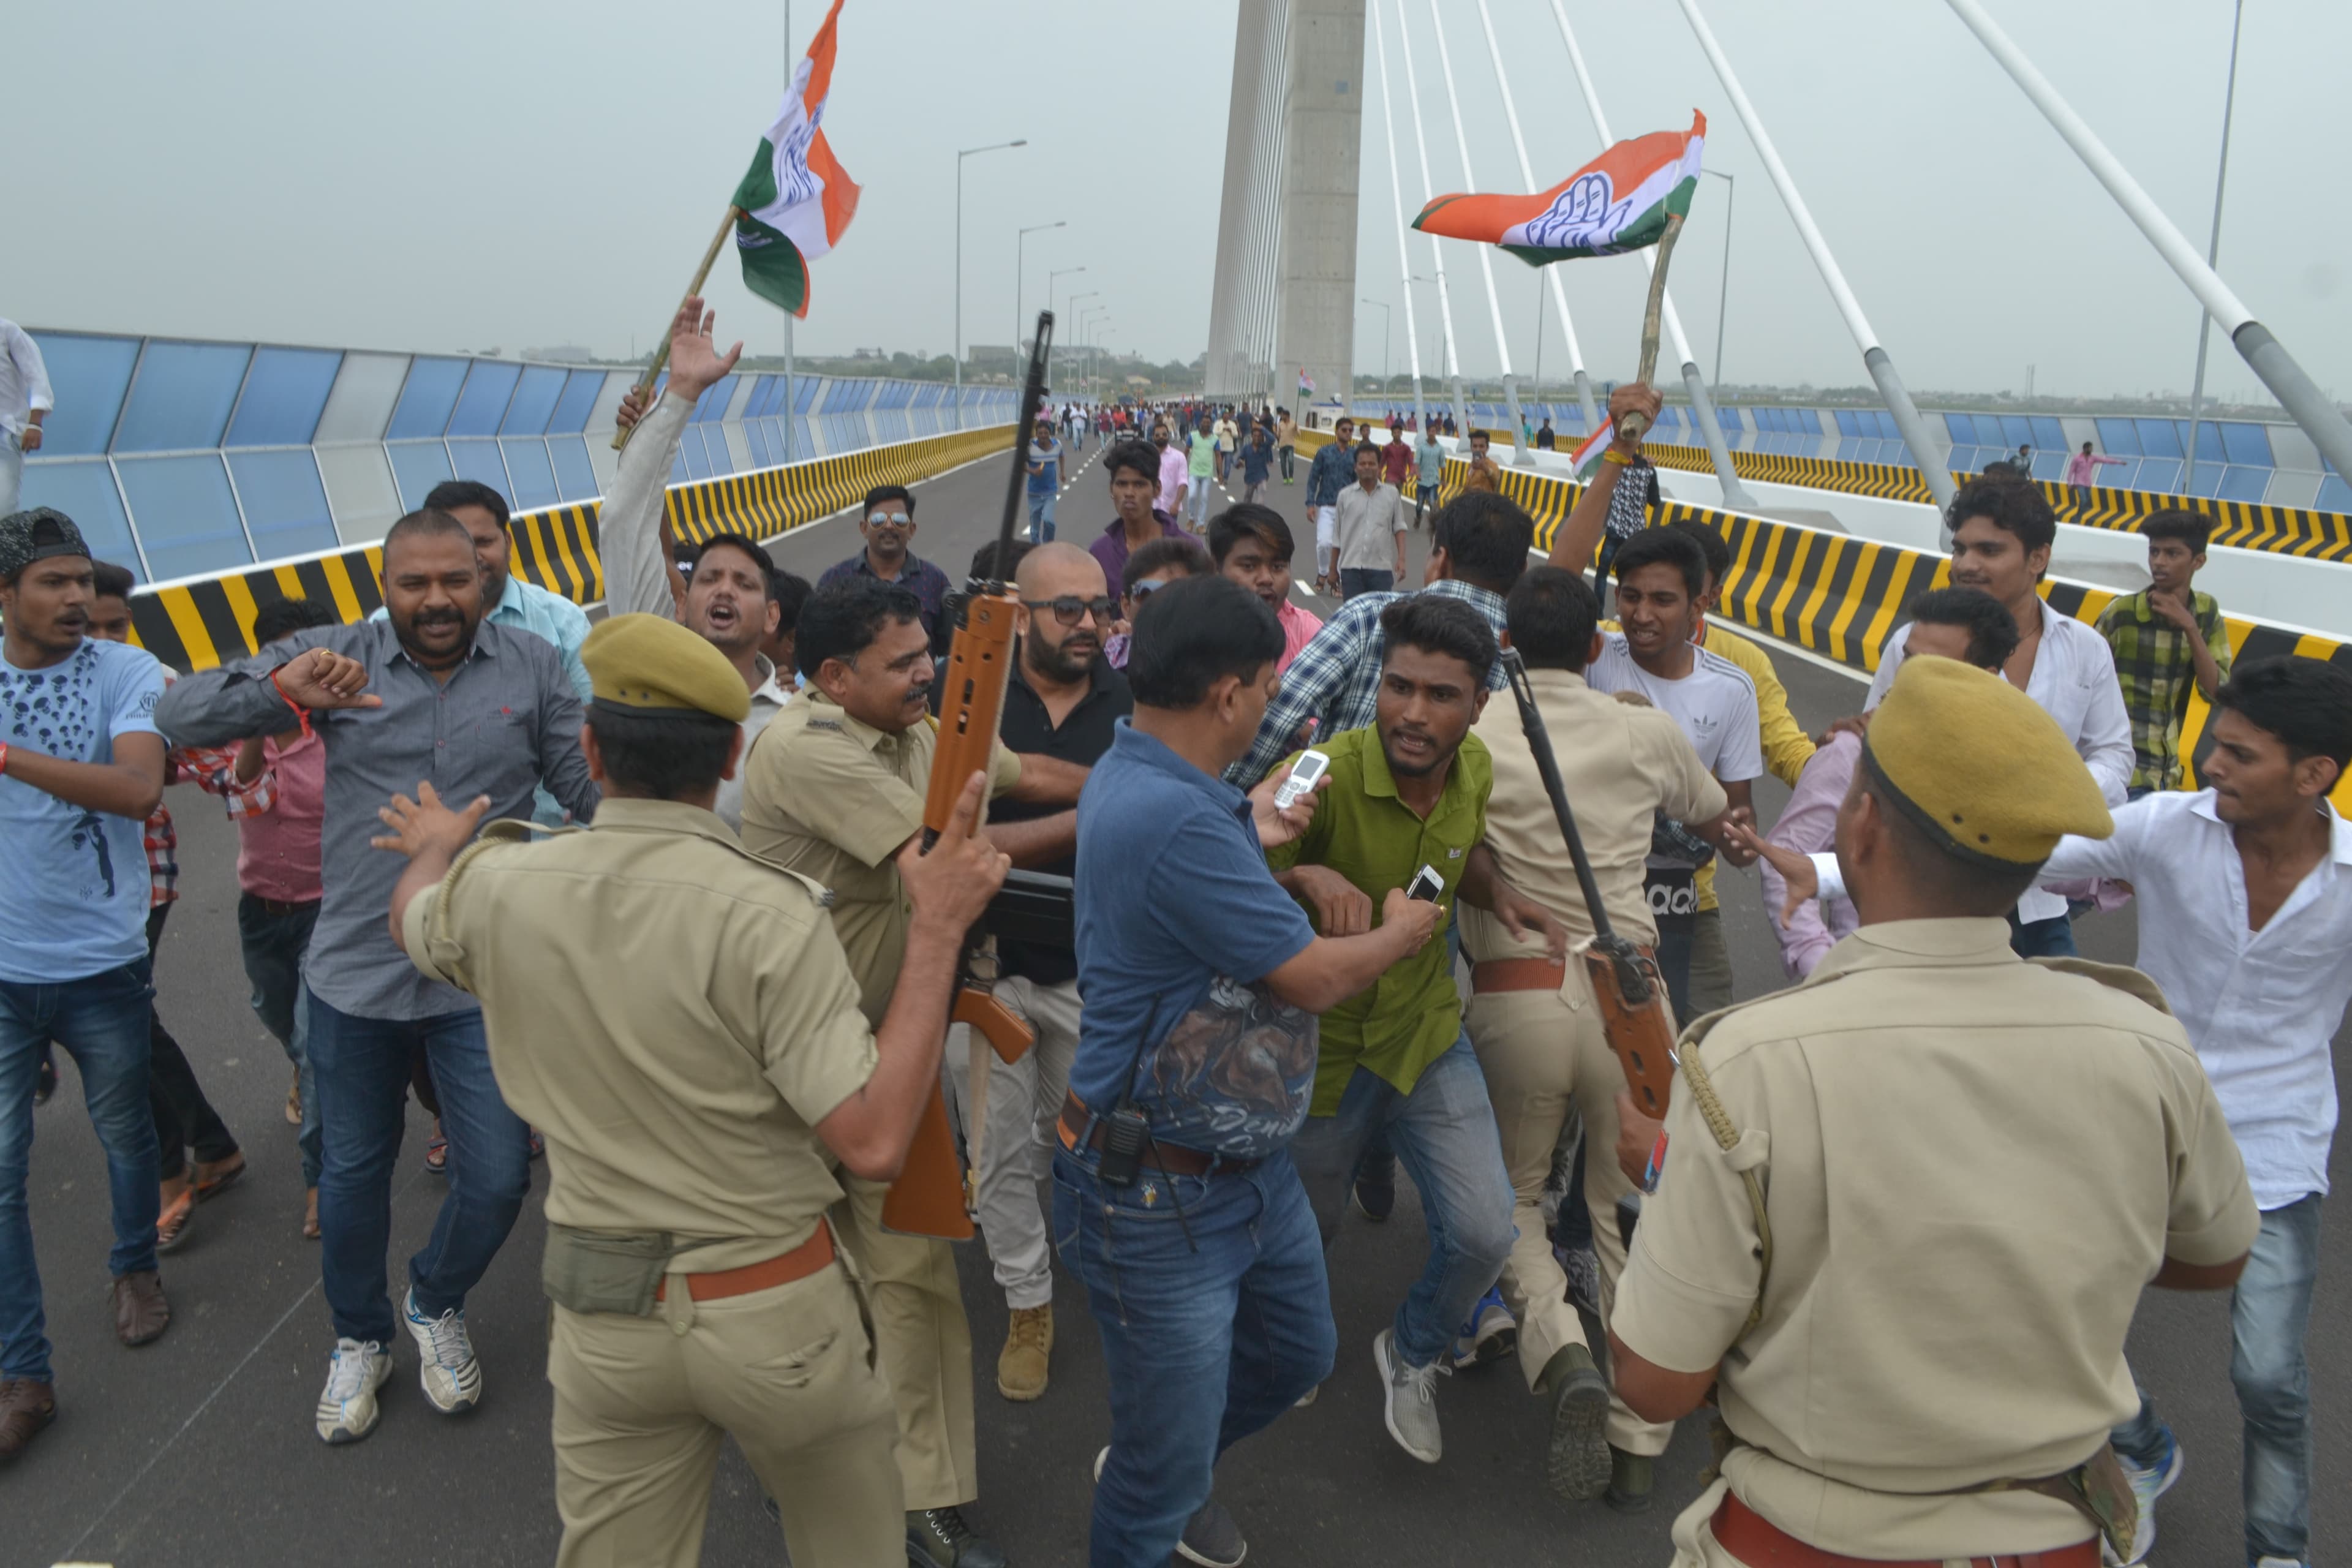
point(1444, 1135)
point(186, 1125)
point(1196, 502)
point(1041, 518)
point(1355, 580)
point(274, 945)
point(101, 1021)
point(1215, 1318)
point(361, 1067)
point(1287, 453)
point(2270, 1314)
point(2051, 938)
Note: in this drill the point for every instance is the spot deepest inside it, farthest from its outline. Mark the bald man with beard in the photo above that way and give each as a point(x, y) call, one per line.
point(1062, 702)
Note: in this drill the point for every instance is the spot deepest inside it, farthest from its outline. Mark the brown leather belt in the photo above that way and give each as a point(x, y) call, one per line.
point(781, 1269)
point(1172, 1158)
point(1517, 975)
point(278, 908)
point(1758, 1542)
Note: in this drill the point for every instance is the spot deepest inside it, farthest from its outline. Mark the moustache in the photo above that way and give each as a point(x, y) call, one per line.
point(439, 619)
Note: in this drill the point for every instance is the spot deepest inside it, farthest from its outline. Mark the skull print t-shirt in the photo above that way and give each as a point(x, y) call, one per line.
point(76, 878)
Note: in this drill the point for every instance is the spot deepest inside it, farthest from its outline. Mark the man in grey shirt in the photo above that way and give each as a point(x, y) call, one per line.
point(434, 695)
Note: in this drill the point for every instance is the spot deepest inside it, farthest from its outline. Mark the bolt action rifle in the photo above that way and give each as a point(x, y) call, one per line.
point(934, 1192)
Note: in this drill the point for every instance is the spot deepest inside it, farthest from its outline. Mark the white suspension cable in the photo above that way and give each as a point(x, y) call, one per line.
point(1470, 182)
point(1396, 191)
point(1528, 173)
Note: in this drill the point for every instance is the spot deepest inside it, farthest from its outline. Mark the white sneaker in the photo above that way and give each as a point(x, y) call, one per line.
point(1411, 1400)
point(452, 1378)
point(347, 1409)
point(2148, 1482)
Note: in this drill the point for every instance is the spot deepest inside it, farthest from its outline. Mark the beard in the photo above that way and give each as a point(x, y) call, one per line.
point(411, 634)
point(1069, 661)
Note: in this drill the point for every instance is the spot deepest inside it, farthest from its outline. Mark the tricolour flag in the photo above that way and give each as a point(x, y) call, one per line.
point(1618, 202)
point(1587, 457)
point(796, 201)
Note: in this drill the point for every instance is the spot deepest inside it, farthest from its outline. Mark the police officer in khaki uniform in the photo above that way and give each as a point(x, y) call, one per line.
point(834, 790)
point(677, 1019)
point(1534, 1021)
point(1908, 1206)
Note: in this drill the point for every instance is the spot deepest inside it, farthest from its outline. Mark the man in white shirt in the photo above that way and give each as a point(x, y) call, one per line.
point(1661, 574)
point(25, 402)
point(2002, 529)
point(2245, 921)
point(1371, 526)
point(729, 601)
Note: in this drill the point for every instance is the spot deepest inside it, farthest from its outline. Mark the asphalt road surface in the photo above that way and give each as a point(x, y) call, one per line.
point(199, 1449)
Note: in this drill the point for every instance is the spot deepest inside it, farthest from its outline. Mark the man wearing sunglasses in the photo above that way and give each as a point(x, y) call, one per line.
point(1062, 702)
point(888, 524)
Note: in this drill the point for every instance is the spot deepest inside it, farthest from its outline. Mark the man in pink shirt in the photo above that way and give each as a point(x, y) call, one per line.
point(1175, 472)
point(1251, 545)
point(2081, 471)
point(1966, 624)
point(276, 794)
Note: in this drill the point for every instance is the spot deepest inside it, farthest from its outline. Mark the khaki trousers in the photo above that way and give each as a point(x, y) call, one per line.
point(1694, 1542)
point(1024, 1101)
point(641, 1405)
point(1544, 1055)
point(922, 1343)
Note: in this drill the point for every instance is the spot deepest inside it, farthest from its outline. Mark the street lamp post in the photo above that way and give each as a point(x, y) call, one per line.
point(1723, 298)
point(1386, 315)
point(1078, 324)
point(966, 152)
point(1019, 244)
point(1057, 272)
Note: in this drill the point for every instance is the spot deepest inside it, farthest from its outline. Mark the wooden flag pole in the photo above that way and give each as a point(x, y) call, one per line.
point(1633, 426)
point(727, 226)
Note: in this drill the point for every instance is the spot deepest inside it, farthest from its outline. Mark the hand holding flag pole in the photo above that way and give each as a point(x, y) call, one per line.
point(1634, 426)
point(693, 291)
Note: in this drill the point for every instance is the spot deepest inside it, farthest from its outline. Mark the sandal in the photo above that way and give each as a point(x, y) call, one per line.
point(217, 1177)
point(172, 1225)
point(437, 1154)
point(294, 1100)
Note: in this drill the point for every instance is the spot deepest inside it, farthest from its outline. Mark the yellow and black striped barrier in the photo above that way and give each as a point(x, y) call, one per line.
point(196, 624)
point(2242, 525)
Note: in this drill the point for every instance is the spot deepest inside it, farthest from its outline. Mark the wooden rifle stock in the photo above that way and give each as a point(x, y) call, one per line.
point(1636, 1014)
point(928, 1198)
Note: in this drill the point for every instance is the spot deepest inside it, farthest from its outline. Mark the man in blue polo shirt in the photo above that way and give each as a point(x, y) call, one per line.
point(1202, 1261)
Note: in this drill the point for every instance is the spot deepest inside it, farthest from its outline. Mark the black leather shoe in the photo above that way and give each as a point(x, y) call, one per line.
point(939, 1538)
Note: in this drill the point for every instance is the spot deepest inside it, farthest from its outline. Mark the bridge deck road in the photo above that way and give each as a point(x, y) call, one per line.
point(198, 1450)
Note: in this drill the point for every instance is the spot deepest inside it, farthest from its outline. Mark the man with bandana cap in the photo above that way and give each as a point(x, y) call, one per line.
point(81, 769)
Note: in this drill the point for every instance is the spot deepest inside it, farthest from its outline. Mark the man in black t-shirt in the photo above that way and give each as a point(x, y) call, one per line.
point(1060, 705)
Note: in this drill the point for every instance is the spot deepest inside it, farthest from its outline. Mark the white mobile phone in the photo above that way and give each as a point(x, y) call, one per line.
point(1305, 772)
point(1426, 886)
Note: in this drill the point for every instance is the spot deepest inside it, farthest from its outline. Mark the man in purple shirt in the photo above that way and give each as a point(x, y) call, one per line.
point(1134, 483)
point(889, 525)
point(1966, 624)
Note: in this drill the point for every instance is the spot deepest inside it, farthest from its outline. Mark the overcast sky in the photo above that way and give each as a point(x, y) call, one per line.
point(468, 174)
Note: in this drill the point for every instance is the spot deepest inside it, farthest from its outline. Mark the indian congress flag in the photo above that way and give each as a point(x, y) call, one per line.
point(1587, 456)
point(795, 199)
point(1618, 202)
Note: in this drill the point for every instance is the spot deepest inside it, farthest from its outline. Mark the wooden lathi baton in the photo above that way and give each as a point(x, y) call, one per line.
point(661, 351)
point(930, 1195)
point(1632, 426)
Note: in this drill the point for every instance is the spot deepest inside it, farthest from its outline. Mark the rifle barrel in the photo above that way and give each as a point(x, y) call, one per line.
point(1033, 393)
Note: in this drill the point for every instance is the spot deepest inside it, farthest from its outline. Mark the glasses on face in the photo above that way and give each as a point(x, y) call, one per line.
point(1070, 609)
point(889, 520)
point(1143, 590)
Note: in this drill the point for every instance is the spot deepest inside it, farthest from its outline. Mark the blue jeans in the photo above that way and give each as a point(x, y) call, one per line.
point(1213, 1324)
point(2051, 938)
point(273, 945)
point(1041, 517)
point(1355, 580)
point(102, 1022)
point(2269, 1314)
point(360, 1066)
point(1196, 502)
point(1444, 1132)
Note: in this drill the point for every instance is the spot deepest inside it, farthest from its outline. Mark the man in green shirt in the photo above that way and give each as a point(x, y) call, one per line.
point(1409, 791)
point(1201, 453)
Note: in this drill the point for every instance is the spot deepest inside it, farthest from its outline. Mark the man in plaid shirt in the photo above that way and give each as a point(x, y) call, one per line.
point(1481, 543)
point(2165, 637)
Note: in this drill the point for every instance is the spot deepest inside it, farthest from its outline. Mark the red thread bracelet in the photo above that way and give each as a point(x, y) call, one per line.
point(301, 714)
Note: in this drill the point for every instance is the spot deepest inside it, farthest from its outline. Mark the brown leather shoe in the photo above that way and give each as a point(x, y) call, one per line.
point(25, 1407)
point(141, 1313)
